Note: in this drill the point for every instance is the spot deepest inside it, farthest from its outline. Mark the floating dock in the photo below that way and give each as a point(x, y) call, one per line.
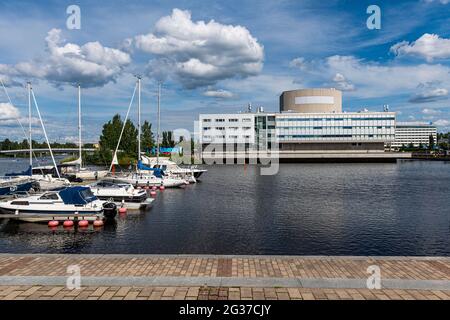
point(201, 277)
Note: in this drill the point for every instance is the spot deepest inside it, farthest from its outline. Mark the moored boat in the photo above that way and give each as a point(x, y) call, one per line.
point(191, 173)
point(122, 194)
point(70, 203)
point(13, 184)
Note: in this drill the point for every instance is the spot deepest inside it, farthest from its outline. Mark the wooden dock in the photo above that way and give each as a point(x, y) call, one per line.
point(197, 277)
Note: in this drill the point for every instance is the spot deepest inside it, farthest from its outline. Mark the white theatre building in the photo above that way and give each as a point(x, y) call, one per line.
point(310, 120)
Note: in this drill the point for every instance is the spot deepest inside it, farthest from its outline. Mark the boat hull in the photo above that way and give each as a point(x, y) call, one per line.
point(132, 204)
point(39, 216)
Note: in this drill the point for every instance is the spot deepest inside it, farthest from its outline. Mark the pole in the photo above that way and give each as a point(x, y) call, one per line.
point(79, 124)
point(45, 133)
point(139, 117)
point(29, 128)
point(159, 120)
point(123, 128)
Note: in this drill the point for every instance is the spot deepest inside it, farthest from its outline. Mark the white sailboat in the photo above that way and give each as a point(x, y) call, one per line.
point(45, 181)
point(190, 173)
point(144, 176)
point(76, 167)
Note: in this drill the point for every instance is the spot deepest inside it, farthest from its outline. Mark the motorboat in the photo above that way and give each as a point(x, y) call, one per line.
point(122, 194)
point(12, 184)
point(70, 203)
point(191, 173)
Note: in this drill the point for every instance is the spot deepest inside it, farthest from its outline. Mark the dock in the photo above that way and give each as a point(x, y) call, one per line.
point(212, 277)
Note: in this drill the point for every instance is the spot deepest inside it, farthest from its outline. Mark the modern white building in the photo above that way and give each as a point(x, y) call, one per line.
point(363, 131)
point(310, 120)
point(413, 133)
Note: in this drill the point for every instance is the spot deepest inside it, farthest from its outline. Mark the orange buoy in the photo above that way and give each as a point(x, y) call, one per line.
point(162, 188)
point(98, 223)
point(83, 223)
point(53, 224)
point(153, 193)
point(68, 224)
point(122, 210)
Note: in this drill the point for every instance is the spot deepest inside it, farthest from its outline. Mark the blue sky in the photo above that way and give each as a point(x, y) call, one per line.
point(250, 52)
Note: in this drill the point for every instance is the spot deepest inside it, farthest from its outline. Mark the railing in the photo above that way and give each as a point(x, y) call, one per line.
point(55, 150)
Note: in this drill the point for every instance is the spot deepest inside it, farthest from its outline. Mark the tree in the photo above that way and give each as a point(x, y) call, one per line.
point(147, 139)
point(110, 136)
point(167, 139)
point(129, 139)
point(110, 133)
point(431, 142)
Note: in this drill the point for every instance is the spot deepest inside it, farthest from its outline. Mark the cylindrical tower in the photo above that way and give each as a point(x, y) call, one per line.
point(311, 101)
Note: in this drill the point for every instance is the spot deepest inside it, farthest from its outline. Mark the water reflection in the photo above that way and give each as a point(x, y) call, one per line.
point(312, 209)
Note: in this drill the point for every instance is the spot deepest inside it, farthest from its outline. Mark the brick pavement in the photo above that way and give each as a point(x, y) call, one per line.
point(253, 277)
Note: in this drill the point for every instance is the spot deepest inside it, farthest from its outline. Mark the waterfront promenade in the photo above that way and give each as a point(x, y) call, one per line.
point(193, 277)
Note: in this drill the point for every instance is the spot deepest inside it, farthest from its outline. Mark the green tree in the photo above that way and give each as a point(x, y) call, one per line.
point(110, 136)
point(110, 133)
point(147, 139)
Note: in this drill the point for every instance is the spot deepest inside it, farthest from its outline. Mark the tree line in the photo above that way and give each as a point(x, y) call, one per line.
point(109, 137)
point(128, 147)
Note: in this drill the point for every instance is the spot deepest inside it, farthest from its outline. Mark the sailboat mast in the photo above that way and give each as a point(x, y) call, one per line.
point(159, 120)
point(29, 126)
point(79, 124)
point(139, 117)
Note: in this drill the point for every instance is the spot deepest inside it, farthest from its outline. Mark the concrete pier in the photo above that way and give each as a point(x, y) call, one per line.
point(193, 277)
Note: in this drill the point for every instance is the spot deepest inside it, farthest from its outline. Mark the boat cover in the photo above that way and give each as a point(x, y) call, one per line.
point(156, 171)
point(77, 195)
point(23, 173)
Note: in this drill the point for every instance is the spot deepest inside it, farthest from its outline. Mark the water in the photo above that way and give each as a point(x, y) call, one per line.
point(307, 209)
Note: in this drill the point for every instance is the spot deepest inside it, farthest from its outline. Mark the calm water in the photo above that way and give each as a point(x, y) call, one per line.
point(307, 209)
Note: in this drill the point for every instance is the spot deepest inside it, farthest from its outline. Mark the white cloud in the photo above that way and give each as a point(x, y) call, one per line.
point(442, 123)
point(428, 46)
point(224, 94)
point(200, 53)
point(429, 111)
point(440, 1)
point(341, 83)
point(298, 63)
point(66, 63)
point(430, 95)
point(374, 80)
point(8, 112)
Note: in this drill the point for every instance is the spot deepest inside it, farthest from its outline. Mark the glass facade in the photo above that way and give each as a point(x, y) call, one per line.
point(367, 126)
point(260, 130)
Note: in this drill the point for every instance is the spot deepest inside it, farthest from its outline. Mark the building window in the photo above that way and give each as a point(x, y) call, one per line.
point(233, 120)
point(220, 120)
point(246, 120)
point(206, 120)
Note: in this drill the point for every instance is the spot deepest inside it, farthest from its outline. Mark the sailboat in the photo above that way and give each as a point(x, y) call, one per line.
point(192, 174)
point(145, 176)
point(15, 183)
point(76, 167)
point(44, 181)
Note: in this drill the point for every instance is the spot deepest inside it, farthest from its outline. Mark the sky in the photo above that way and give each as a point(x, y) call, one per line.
point(216, 57)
